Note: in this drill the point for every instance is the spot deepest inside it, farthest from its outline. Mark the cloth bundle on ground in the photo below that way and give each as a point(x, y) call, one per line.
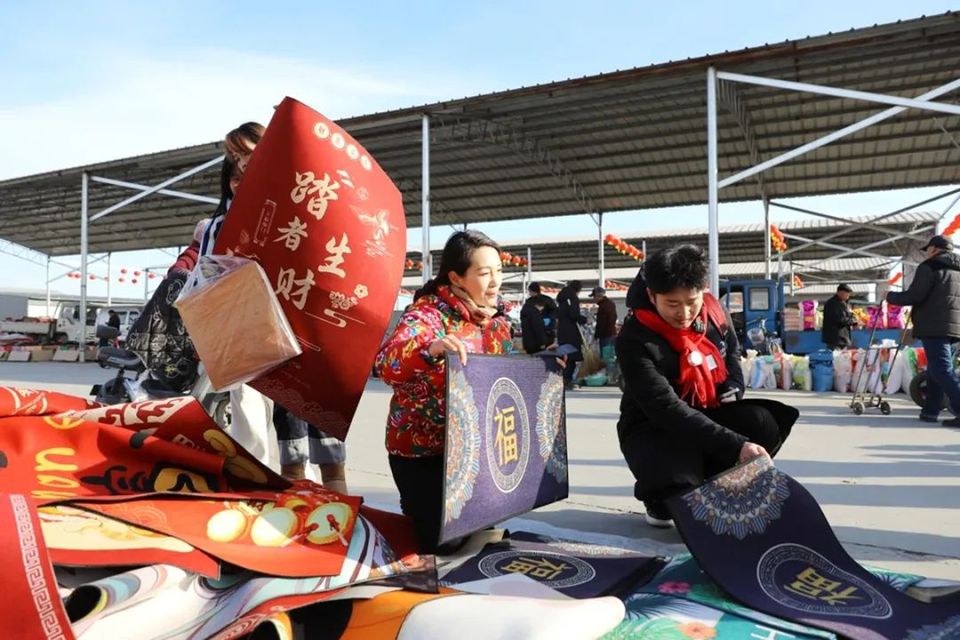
point(763, 539)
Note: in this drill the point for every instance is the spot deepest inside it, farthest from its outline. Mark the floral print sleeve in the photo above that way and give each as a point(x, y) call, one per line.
point(403, 355)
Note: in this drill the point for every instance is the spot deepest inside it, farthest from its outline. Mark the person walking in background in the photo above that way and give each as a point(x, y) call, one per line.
point(838, 320)
point(569, 319)
point(537, 313)
point(934, 295)
point(606, 331)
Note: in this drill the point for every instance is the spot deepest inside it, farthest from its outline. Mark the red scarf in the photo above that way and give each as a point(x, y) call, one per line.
point(697, 381)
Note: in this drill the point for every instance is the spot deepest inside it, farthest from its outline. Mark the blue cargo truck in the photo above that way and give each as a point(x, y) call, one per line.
point(759, 304)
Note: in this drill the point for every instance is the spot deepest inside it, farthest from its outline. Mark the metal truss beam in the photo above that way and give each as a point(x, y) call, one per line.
point(849, 251)
point(22, 252)
point(922, 100)
point(163, 192)
point(845, 231)
point(845, 221)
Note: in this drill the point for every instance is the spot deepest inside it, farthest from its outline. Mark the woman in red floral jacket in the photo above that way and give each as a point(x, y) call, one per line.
point(457, 311)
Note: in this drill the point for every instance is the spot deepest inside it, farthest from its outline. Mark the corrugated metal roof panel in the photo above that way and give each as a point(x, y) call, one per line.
point(632, 139)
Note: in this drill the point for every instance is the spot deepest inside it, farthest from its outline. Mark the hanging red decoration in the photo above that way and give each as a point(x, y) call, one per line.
point(777, 242)
point(953, 227)
point(624, 248)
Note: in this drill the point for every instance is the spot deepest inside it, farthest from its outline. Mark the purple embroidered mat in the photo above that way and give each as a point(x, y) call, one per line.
point(506, 441)
point(576, 569)
point(763, 538)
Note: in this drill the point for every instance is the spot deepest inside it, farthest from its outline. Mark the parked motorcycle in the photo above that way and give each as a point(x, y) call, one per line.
point(133, 383)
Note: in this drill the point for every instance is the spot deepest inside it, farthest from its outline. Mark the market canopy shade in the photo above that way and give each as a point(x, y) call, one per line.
point(625, 140)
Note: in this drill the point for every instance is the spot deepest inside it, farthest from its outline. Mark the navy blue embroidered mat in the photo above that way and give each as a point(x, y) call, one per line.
point(506, 440)
point(763, 538)
point(576, 569)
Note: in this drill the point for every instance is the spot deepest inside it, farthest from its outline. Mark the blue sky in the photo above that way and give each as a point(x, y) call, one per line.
point(84, 82)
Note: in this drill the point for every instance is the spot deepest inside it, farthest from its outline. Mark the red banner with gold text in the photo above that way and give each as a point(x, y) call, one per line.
point(326, 223)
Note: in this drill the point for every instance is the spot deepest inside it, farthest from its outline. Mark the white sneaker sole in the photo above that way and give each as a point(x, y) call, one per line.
point(657, 523)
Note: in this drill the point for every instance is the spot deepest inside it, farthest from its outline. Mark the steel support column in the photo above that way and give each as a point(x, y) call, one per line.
point(425, 200)
point(713, 225)
point(603, 282)
point(84, 240)
point(48, 286)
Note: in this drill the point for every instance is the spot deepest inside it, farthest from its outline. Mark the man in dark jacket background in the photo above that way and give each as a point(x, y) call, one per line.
point(934, 295)
point(537, 320)
point(606, 331)
point(838, 319)
point(569, 320)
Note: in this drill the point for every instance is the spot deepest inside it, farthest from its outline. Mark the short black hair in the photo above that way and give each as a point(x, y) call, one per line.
point(576, 285)
point(681, 267)
point(844, 287)
point(533, 287)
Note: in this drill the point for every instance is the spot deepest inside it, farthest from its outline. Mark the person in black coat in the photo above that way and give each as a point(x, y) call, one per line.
point(683, 418)
point(537, 312)
point(569, 318)
point(934, 295)
point(838, 320)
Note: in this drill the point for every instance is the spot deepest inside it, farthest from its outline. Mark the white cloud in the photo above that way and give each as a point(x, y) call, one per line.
point(147, 105)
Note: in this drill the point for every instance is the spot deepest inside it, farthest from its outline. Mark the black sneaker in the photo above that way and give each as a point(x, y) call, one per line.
point(925, 418)
point(657, 515)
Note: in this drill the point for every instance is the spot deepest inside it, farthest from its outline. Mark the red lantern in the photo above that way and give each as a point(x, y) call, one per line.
point(136, 273)
point(151, 276)
point(120, 280)
point(134, 281)
point(124, 271)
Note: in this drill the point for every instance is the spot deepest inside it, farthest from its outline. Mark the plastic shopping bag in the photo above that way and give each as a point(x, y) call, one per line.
point(237, 326)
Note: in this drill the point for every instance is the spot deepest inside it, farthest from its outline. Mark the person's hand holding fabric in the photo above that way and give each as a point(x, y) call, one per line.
point(751, 450)
point(448, 343)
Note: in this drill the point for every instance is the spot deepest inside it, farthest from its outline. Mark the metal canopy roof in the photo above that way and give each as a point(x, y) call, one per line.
point(739, 244)
point(626, 140)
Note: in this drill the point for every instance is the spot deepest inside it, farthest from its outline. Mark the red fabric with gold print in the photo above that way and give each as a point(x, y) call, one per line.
point(304, 531)
point(327, 225)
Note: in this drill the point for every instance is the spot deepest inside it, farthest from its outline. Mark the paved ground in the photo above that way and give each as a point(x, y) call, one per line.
point(889, 485)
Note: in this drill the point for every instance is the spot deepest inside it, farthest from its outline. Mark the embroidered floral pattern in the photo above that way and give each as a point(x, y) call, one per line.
point(552, 441)
point(742, 502)
point(463, 465)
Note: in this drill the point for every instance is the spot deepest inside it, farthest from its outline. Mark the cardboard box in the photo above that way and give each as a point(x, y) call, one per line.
point(66, 355)
point(42, 354)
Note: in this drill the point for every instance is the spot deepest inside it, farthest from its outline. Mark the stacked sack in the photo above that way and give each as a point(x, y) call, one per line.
point(778, 371)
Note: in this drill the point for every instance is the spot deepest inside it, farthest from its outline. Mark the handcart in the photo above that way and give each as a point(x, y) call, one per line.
point(862, 400)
